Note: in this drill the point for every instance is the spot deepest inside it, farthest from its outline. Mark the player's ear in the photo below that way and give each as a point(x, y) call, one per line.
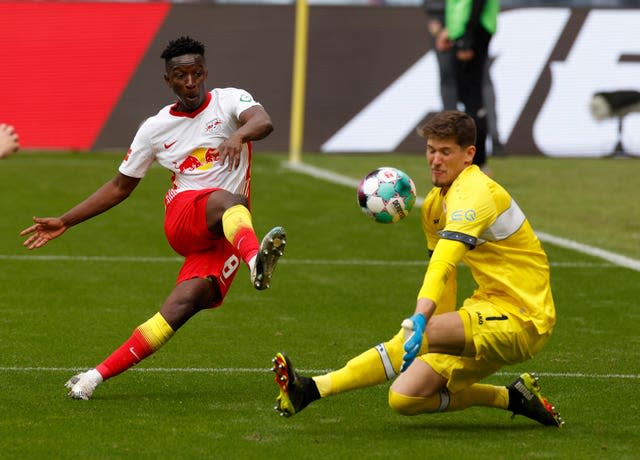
point(469, 153)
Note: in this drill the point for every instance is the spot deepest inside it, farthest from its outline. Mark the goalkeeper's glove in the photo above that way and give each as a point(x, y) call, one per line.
point(415, 325)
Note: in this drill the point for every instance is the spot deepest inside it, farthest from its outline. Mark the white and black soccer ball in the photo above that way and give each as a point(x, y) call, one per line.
point(386, 195)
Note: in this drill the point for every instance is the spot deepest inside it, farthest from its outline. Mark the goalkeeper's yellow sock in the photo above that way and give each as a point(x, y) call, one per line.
point(476, 395)
point(362, 371)
point(373, 367)
point(479, 394)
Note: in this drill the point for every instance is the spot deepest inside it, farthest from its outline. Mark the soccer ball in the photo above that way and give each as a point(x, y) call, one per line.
point(386, 195)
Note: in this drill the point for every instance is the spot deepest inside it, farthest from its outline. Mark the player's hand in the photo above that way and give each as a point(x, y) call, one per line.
point(414, 330)
point(9, 140)
point(442, 41)
point(465, 55)
point(230, 150)
point(42, 231)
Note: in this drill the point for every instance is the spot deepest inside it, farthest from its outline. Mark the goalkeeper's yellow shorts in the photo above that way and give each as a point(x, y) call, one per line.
point(499, 340)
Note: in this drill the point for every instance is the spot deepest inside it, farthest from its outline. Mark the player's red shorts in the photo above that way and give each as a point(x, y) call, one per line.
point(206, 256)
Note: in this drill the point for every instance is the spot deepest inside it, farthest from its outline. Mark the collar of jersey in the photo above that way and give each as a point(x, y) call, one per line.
point(193, 114)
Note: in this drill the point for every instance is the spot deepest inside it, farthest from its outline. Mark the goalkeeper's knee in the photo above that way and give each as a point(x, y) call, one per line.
point(413, 405)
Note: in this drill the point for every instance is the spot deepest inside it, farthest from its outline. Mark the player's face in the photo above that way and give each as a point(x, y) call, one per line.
point(186, 76)
point(447, 160)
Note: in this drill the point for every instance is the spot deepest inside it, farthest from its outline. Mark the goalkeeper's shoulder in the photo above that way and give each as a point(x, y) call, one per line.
point(431, 208)
point(432, 195)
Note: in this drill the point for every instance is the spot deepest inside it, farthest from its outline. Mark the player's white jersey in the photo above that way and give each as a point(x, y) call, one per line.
point(186, 144)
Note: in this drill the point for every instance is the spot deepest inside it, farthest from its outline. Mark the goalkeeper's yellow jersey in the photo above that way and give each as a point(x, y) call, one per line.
point(505, 256)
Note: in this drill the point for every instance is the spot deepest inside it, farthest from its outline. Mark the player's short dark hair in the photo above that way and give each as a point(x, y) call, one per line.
point(181, 46)
point(450, 124)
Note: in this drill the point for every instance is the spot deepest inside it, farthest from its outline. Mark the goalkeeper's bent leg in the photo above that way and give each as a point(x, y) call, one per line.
point(476, 395)
point(373, 367)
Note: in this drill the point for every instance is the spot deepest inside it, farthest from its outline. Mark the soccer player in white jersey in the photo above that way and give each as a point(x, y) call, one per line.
point(204, 139)
point(441, 354)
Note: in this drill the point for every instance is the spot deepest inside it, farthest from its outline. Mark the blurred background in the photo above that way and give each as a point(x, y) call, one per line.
point(83, 75)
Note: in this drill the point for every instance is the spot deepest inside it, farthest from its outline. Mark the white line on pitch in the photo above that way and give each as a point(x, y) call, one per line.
point(289, 261)
point(256, 370)
point(617, 259)
point(90, 258)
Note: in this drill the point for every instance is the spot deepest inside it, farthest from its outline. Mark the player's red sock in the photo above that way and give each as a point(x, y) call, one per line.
point(145, 340)
point(127, 355)
point(246, 243)
point(238, 229)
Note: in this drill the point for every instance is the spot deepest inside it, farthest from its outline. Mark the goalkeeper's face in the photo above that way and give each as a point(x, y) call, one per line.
point(447, 160)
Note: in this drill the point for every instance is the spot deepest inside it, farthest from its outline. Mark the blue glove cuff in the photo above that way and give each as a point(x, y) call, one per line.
point(419, 321)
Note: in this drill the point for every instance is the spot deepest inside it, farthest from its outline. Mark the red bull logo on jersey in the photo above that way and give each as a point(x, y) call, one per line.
point(213, 125)
point(201, 159)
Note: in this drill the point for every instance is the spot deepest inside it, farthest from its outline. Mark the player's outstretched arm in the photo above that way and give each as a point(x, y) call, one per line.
point(110, 194)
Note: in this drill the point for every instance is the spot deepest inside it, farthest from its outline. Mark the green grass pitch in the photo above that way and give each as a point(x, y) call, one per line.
point(344, 285)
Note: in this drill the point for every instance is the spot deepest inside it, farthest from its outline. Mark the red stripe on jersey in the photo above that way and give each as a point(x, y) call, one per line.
point(247, 183)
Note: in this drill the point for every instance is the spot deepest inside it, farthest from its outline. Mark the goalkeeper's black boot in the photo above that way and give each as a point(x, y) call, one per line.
point(296, 391)
point(525, 399)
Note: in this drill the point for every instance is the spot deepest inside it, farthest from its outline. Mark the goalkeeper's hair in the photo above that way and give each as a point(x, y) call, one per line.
point(181, 46)
point(450, 124)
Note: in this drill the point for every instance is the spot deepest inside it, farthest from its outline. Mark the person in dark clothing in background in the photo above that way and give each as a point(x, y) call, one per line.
point(434, 10)
point(462, 31)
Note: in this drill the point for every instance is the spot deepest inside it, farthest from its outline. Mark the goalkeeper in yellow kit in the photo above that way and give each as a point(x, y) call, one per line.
point(441, 354)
